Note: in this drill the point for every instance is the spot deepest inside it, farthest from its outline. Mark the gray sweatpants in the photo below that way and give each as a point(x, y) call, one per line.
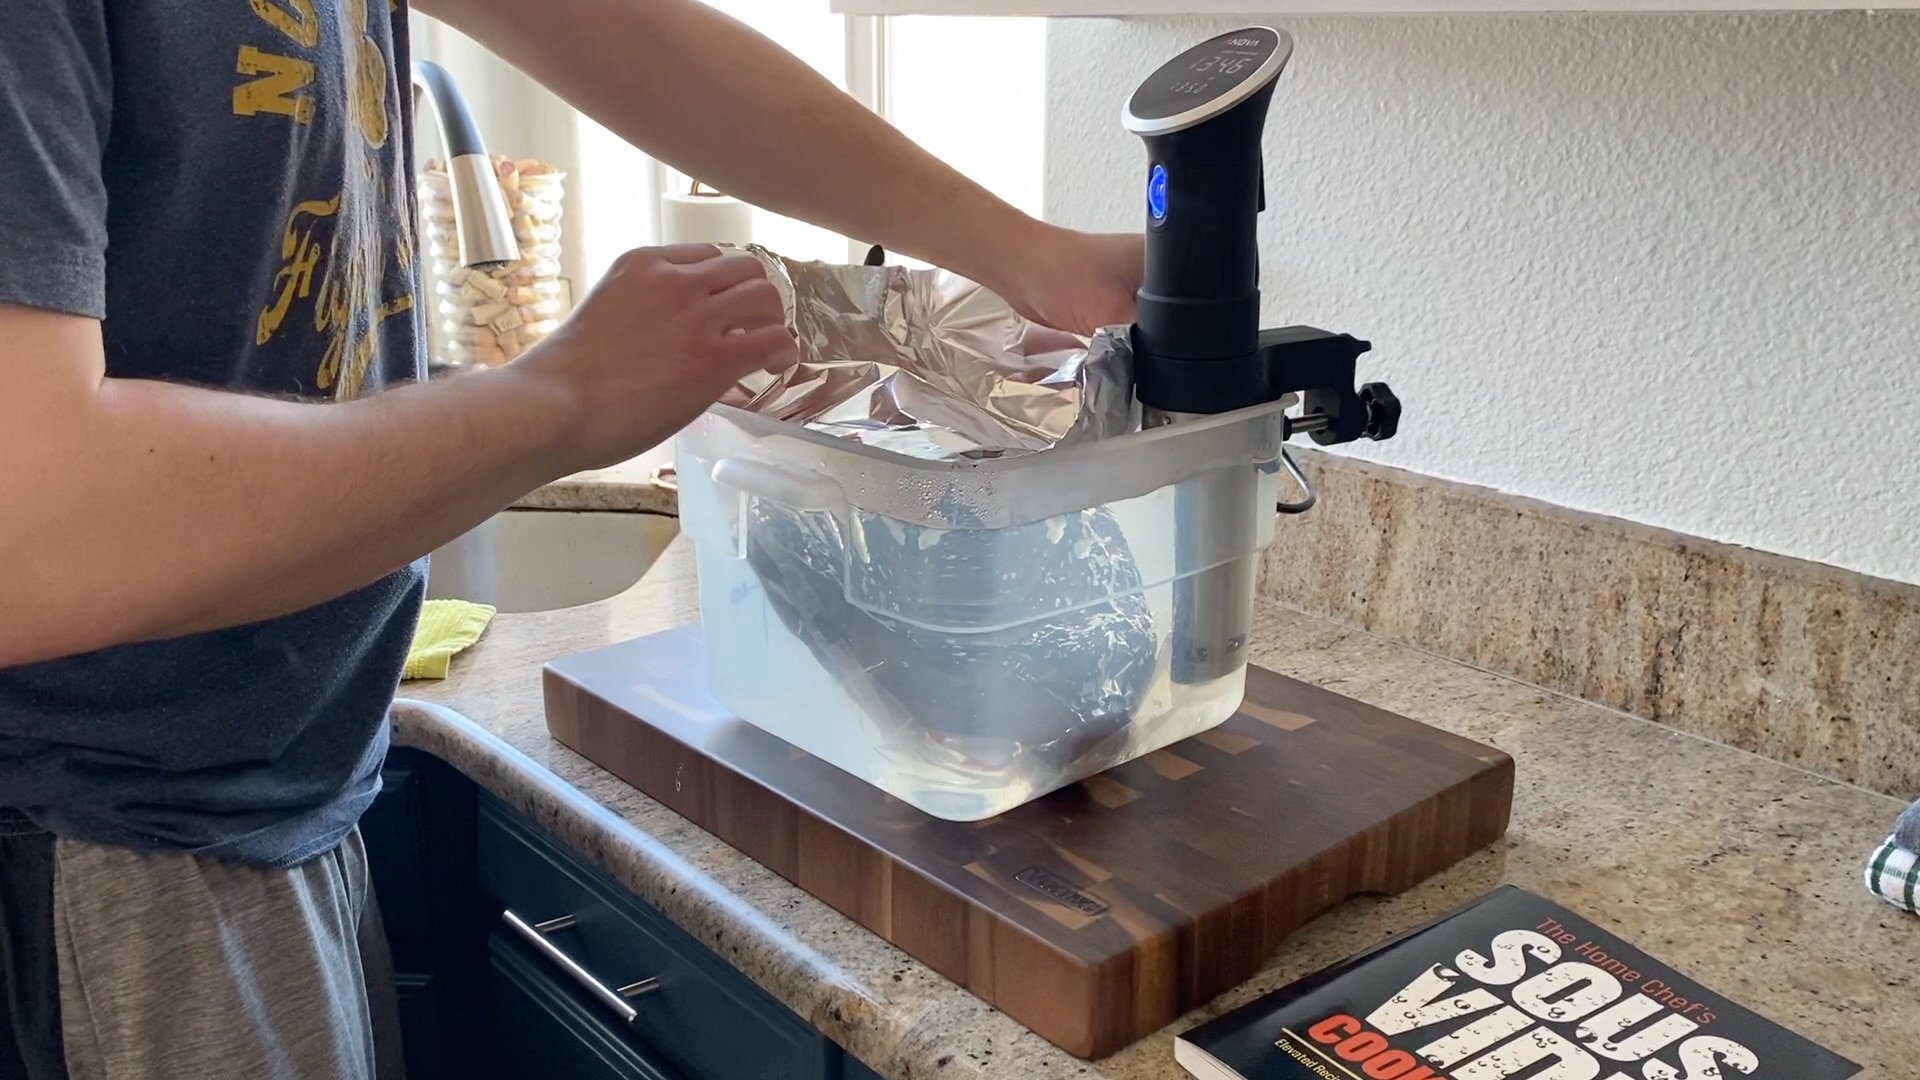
point(171, 967)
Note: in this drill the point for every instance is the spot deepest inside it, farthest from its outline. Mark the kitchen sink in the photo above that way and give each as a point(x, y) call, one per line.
point(542, 560)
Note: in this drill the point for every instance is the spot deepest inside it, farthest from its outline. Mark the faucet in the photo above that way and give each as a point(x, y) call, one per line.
point(482, 225)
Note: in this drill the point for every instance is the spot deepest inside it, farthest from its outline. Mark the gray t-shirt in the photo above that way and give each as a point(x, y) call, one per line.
point(227, 187)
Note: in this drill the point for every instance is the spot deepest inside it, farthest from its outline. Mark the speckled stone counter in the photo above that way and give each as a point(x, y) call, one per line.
point(628, 486)
point(1745, 873)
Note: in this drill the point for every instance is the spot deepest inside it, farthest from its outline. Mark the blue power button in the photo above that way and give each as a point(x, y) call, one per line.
point(1157, 193)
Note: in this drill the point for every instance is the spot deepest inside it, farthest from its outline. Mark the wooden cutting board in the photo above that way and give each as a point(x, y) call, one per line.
point(1098, 914)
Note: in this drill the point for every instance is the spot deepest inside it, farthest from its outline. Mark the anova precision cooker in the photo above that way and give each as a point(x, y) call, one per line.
point(1198, 348)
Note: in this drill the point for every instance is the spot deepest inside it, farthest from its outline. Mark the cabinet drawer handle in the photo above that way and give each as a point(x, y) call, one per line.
point(536, 936)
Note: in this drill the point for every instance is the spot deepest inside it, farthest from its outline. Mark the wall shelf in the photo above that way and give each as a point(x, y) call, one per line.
point(1108, 8)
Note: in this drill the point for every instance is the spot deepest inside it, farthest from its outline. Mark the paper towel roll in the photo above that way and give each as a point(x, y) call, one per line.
point(704, 218)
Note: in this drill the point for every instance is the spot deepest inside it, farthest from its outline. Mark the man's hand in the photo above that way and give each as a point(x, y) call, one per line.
point(1076, 281)
point(660, 337)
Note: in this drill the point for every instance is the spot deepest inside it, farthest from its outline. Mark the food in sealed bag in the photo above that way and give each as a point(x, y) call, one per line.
point(1061, 687)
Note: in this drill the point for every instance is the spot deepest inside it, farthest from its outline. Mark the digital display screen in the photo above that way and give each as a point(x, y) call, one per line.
point(1203, 73)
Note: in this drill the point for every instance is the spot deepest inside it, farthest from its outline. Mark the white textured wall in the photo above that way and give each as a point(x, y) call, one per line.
point(1664, 268)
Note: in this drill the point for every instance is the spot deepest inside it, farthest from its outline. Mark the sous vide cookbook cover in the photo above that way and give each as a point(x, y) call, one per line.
point(1510, 987)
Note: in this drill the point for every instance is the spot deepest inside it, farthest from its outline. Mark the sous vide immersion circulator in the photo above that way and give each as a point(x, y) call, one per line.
point(1198, 346)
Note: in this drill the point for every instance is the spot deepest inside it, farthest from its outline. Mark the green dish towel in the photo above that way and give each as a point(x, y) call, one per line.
point(1894, 876)
point(445, 628)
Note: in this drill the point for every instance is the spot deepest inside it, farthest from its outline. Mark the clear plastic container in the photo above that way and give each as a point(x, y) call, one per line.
point(968, 636)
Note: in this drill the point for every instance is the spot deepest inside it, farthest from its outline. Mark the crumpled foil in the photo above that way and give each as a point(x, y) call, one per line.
point(930, 365)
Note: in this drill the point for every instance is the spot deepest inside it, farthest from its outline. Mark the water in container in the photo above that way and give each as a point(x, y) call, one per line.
point(970, 635)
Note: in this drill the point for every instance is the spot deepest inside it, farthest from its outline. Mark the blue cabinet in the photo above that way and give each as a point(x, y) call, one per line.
point(516, 958)
point(687, 1005)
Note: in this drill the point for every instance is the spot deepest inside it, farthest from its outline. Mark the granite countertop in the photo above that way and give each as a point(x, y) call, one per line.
point(1742, 872)
point(629, 486)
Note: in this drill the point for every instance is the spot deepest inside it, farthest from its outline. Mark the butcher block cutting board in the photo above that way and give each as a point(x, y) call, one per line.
point(1102, 912)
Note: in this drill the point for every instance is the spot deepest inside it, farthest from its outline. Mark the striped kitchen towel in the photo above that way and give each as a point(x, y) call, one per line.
point(1894, 875)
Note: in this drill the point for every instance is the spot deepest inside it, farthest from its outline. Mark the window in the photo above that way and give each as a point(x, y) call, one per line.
point(969, 90)
point(821, 39)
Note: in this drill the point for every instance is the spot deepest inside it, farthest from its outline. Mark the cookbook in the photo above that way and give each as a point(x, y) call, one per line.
point(1509, 987)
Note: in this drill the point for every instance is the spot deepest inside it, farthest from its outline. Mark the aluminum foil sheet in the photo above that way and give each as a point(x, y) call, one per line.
point(931, 365)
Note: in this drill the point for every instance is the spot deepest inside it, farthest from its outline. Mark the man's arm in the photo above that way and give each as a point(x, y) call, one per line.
point(695, 88)
point(132, 509)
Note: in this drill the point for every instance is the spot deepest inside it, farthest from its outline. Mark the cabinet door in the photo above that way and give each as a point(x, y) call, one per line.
point(421, 1023)
point(395, 831)
point(543, 1027)
point(420, 838)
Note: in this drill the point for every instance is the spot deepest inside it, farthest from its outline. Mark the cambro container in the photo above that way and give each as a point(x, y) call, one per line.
point(970, 635)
